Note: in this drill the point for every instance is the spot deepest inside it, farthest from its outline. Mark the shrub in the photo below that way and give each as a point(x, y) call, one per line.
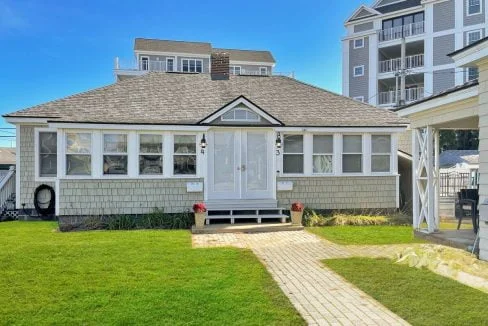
point(153, 220)
point(312, 218)
point(121, 222)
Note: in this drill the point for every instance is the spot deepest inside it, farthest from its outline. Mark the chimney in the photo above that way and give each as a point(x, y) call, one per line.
point(219, 63)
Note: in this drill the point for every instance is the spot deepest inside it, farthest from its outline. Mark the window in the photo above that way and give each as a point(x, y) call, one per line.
point(235, 70)
point(293, 154)
point(380, 153)
point(170, 64)
point(185, 155)
point(358, 71)
point(263, 71)
point(358, 98)
point(240, 114)
point(78, 153)
point(404, 20)
point(472, 74)
point(359, 43)
point(473, 36)
point(352, 154)
point(114, 154)
point(144, 63)
point(48, 157)
point(474, 7)
point(151, 154)
point(192, 65)
point(323, 150)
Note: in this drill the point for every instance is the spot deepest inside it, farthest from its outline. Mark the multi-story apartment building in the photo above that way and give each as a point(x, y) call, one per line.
point(190, 57)
point(431, 29)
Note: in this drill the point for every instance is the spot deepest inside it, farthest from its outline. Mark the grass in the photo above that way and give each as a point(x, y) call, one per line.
point(131, 277)
point(366, 235)
point(417, 295)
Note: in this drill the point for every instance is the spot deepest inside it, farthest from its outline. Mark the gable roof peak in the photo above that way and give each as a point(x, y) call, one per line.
point(362, 12)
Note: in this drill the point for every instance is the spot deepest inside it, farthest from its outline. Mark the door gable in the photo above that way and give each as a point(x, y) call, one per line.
point(241, 112)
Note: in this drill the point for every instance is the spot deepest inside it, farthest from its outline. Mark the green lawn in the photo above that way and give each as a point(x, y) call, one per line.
point(366, 235)
point(417, 295)
point(131, 277)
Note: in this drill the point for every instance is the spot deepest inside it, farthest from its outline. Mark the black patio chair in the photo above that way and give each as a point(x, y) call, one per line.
point(468, 207)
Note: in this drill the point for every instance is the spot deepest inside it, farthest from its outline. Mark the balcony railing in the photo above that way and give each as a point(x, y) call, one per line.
point(395, 33)
point(412, 61)
point(411, 95)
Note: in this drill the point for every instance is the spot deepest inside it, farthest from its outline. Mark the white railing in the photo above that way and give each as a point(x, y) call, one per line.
point(392, 65)
point(7, 186)
point(411, 95)
point(395, 33)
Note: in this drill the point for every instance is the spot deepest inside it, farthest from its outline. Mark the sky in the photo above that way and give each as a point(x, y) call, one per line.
point(54, 48)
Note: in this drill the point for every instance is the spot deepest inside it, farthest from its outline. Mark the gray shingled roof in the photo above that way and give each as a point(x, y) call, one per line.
point(248, 55)
point(175, 98)
point(450, 158)
point(7, 155)
point(144, 44)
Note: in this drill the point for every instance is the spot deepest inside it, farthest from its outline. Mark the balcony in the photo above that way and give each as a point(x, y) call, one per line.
point(411, 95)
point(392, 65)
point(398, 32)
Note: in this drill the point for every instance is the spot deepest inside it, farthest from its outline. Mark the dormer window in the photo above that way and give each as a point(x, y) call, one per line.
point(241, 114)
point(145, 63)
point(263, 71)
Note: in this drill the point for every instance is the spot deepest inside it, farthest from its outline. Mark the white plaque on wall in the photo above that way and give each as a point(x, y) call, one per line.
point(194, 186)
point(285, 185)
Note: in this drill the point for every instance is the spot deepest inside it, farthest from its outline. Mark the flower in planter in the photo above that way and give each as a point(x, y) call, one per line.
point(199, 208)
point(297, 207)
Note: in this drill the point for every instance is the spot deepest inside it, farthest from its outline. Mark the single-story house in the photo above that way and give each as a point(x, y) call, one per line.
point(7, 158)
point(169, 140)
point(459, 160)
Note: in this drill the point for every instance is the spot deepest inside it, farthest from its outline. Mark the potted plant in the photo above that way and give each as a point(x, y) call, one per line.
point(297, 213)
point(200, 211)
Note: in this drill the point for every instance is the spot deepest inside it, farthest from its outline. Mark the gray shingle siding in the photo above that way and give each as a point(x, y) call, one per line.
point(359, 86)
point(363, 27)
point(474, 19)
point(443, 79)
point(443, 45)
point(444, 16)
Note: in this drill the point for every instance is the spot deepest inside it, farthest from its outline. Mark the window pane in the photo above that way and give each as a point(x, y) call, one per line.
point(192, 65)
point(352, 163)
point(48, 165)
point(419, 17)
point(293, 163)
point(252, 116)
point(114, 164)
point(228, 115)
point(185, 65)
point(115, 143)
point(48, 143)
point(150, 164)
point(323, 144)
point(322, 164)
point(78, 143)
point(170, 64)
point(381, 143)
point(352, 144)
point(150, 144)
point(78, 164)
point(380, 163)
point(185, 164)
point(293, 144)
point(199, 66)
point(473, 74)
point(185, 144)
point(237, 70)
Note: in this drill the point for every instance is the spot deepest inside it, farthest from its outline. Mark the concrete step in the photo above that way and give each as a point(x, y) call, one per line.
point(241, 204)
point(246, 228)
point(257, 217)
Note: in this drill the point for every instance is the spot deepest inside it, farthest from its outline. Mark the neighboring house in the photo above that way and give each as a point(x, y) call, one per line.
point(172, 139)
point(180, 56)
point(432, 29)
point(459, 160)
point(461, 107)
point(7, 157)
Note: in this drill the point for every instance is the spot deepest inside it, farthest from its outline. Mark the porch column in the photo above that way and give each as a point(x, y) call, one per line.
point(415, 167)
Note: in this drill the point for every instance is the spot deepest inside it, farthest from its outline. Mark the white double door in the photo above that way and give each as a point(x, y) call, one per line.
point(240, 164)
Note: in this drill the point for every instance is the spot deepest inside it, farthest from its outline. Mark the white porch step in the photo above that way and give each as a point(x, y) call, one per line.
point(242, 204)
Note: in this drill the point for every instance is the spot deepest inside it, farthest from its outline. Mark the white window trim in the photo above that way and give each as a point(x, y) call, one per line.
point(265, 71)
point(130, 169)
point(65, 154)
point(363, 154)
point(480, 31)
point(334, 166)
point(37, 176)
point(140, 62)
point(362, 71)
point(303, 153)
point(359, 98)
point(241, 120)
point(362, 43)
point(172, 150)
point(191, 59)
point(390, 154)
point(174, 66)
point(476, 13)
point(233, 69)
point(163, 137)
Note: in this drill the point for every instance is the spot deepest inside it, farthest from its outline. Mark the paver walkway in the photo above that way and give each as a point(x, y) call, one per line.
point(321, 296)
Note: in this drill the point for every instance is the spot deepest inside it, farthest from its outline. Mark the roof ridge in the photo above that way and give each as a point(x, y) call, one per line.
point(241, 50)
point(179, 41)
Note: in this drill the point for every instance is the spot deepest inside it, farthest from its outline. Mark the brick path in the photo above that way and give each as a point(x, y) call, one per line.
point(321, 296)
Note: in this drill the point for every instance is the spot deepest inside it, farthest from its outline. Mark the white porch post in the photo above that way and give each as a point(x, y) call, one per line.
point(430, 179)
point(415, 168)
point(436, 179)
